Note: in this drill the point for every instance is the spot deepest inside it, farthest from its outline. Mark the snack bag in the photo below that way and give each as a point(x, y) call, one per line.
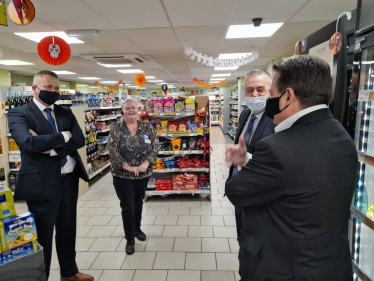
point(169, 105)
point(190, 105)
point(176, 144)
point(164, 126)
point(179, 106)
point(158, 127)
point(192, 127)
point(18, 230)
point(158, 106)
point(7, 208)
point(192, 143)
point(173, 127)
point(182, 127)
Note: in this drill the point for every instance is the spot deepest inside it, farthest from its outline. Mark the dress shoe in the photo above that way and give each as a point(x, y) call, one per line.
point(130, 247)
point(79, 277)
point(140, 235)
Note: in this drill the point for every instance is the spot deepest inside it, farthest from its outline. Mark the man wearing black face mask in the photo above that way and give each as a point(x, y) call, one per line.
point(297, 189)
point(49, 136)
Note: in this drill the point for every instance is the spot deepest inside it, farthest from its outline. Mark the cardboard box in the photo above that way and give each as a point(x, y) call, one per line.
point(19, 252)
point(18, 230)
point(29, 267)
point(7, 208)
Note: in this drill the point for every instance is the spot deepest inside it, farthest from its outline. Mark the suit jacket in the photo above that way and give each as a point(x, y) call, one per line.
point(264, 128)
point(296, 193)
point(39, 173)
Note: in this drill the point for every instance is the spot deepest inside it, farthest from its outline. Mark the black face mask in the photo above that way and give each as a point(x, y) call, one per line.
point(48, 97)
point(272, 107)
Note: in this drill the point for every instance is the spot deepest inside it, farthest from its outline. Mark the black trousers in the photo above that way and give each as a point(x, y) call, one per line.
point(238, 218)
point(131, 195)
point(59, 212)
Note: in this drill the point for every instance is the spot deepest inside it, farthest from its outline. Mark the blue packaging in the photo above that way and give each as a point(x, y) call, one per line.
point(17, 252)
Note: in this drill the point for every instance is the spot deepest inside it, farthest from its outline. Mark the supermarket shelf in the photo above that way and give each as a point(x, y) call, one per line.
point(103, 131)
point(231, 135)
point(180, 135)
point(166, 192)
point(14, 152)
point(90, 176)
point(233, 103)
point(14, 170)
point(214, 110)
point(102, 108)
point(234, 120)
point(362, 217)
point(8, 134)
point(109, 118)
point(105, 153)
point(214, 122)
point(181, 170)
point(360, 273)
point(182, 152)
point(172, 114)
point(102, 142)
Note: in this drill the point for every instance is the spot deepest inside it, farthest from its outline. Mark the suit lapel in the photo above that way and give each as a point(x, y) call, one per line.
point(258, 132)
point(59, 118)
point(40, 116)
point(240, 129)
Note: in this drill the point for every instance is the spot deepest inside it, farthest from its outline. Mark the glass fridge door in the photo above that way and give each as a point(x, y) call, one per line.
point(363, 202)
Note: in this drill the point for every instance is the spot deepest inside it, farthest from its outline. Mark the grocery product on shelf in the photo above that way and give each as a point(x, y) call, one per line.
point(7, 207)
point(185, 181)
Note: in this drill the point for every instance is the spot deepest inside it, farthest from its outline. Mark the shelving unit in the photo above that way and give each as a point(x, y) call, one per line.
point(214, 105)
point(224, 111)
point(234, 113)
point(201, 100)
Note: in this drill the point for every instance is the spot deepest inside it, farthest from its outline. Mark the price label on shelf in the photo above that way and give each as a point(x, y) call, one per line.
point(358, 214)
point(363, 95)
point(162, 114)
point(177, 114)
point(361, 156)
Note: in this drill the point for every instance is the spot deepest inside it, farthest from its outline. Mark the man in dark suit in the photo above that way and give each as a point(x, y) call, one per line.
point(254, 125)
point(49, 136)
point(297, 189)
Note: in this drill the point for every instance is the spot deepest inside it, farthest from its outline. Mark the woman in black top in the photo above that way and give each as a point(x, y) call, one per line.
point(133, 147)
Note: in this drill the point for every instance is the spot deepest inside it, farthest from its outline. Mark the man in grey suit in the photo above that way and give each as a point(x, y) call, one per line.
point(296, 189)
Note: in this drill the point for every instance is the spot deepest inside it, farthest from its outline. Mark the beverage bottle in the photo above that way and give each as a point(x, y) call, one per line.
point(8, 102)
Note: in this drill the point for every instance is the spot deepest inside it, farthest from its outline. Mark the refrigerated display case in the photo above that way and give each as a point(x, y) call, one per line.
point(361, 126)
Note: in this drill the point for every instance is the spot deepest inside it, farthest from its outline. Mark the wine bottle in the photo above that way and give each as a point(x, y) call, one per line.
point(20, 99)
point(15, 100)
point(8, 102)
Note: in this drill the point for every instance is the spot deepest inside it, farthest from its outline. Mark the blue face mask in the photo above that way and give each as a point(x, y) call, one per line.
point(256, 104)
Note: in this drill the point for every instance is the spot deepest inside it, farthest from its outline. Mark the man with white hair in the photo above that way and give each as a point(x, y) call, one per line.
point(49, 136)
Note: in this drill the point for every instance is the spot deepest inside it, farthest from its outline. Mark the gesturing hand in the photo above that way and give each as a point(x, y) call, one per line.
point(144, 166)
point(236, 154)
point(34, 135)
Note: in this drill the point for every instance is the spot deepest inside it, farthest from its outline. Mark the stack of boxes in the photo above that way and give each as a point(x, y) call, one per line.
point(18, 233)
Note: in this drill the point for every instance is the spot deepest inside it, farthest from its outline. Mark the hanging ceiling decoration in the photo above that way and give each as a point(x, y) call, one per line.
point(111, 88)
point(21, 12)
point(209, 61)
point(54, 50)
point(209, 85)
point(140, 80)
point(3, 16)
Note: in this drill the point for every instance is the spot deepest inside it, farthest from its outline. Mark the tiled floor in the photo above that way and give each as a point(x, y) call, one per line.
point(189, 238)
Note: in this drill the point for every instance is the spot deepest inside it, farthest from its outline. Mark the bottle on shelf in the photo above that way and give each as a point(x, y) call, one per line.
point(20, 99)
point(14, 100)
point(8, 101)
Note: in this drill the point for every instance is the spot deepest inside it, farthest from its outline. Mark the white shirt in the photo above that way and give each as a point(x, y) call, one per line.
point(286, 124)
point(71, 162)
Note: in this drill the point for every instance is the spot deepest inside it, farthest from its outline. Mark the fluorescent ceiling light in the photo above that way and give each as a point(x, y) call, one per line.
point(226, 68)
point(83, 33)
point(108, 82)
point(150, 77)
point(233, 56)
point(250, 31)
point(14, 62)
point(170, 86)
point(62, 72)
point(115, 65)
point(223, 74)
point(368, 62)
point(89, 78)
point(130, 71)
point(81, 85)
point(93, 87)
point(38, 36)
point(133, 86)
point(142, 88)
point(155, 81)
point(217, 79)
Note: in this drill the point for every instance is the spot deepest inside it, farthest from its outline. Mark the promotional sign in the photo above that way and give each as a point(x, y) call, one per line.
point(323, 52)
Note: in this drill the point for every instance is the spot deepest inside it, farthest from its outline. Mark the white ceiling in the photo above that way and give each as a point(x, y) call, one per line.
point(158, 29)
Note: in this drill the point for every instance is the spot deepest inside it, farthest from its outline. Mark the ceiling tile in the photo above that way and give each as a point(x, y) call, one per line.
point(321, 10)
point(153, 38)
point(201, 36)
point(272, 11)
point(276, 50)
point(112, 41)
point(199, 13)
point(131, 14)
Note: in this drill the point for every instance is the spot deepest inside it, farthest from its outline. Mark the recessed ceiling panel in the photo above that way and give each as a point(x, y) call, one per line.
point(201, 36)
point(153, 38)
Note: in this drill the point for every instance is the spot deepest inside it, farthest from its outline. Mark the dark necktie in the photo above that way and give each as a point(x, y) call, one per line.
point(247, 136)
point(51, 122)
